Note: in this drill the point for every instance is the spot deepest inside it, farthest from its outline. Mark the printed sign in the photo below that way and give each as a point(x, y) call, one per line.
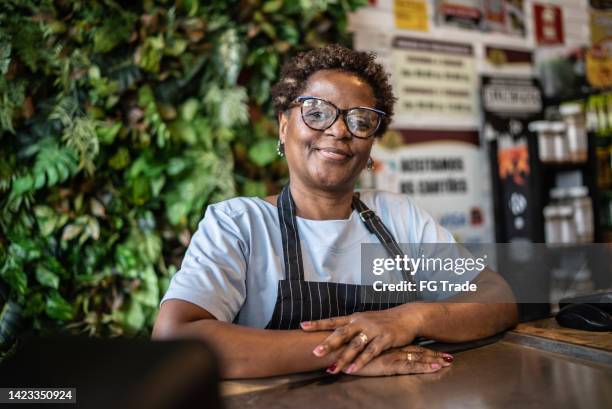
point(548, 22)
point(435, 83)
point(462, 13)
point(599, 57)
point(500, 16)
point(444, 177)
point(411, 15)
point(509, 104)
point(508, 58)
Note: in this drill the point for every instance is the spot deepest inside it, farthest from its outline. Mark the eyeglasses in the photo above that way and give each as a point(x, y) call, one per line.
point(319, 114)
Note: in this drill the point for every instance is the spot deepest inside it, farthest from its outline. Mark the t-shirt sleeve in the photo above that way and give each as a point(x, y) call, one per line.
point(447, 258)
point(213, 271)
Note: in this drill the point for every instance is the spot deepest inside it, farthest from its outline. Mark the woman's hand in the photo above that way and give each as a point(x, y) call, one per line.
point(367, 334)
point(406, 360)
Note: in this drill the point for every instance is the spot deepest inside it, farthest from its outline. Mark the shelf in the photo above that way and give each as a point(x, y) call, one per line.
point(553, 166)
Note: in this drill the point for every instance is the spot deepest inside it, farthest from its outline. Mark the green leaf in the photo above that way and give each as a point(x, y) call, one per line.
point(46, 277)
point(53, 163)
point(272, 6)
point(39, 181)
point(22, 184)
point(176, 166)
point(10, 320)
point(35, 304)
point(140, 191)
point(150, 54)
point(107, 133)
point(290, 34)
point(5, 55)
point(229, 105)
point(175, 47)
point(263, 152)
point(71, 231)
point(230, 52)
point(17, 279)
point(120, 160)
point(148, 291)
point(58, 308)
point(189, 109)
point(115, 30)
point(133, 317)
point(46, 218)
point(184, 131)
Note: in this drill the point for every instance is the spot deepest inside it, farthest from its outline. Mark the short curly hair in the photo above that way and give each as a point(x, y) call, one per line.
point(296, 72)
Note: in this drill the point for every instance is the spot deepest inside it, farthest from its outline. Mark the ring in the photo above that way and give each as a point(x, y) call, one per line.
point(409, 356)
point(363, 337)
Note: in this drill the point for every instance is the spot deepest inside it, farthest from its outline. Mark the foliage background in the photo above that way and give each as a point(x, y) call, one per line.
point(119, 123)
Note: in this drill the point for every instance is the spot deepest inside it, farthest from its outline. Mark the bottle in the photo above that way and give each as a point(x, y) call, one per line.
point(582, 205)
point(576, 133)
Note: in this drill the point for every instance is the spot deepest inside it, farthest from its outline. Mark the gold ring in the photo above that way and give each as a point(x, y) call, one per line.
point(363, 337)
point(409, 356)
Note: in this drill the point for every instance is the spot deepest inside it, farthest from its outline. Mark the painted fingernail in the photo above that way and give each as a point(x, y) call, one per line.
point(332, 367)
point(435, 366)
point(319, 350)
point(306, 324)
point(448, 358)
point(351, 368)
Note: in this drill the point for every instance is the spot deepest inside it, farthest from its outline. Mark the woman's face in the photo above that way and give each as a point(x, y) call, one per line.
point(331, 159)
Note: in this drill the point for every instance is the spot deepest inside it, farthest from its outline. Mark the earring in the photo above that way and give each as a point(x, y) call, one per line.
point(370, 164)
point(280, 148)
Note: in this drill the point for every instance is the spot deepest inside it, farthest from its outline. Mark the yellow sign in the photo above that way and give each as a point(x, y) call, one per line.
point(601, 26)
point(598, 71)
point(599, 57)
point(411, 15)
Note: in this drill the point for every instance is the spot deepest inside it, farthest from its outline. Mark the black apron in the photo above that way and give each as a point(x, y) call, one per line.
point(300, 300)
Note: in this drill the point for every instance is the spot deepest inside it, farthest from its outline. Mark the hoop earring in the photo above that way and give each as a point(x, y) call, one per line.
point(280, 148)
point(370, 164)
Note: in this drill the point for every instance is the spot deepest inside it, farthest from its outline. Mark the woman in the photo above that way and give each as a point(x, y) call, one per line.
point(273, 284)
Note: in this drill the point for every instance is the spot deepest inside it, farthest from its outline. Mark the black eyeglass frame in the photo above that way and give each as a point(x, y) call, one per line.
point(300, 101)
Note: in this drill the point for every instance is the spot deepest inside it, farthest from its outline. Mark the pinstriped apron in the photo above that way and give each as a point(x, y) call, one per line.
point(300, 300)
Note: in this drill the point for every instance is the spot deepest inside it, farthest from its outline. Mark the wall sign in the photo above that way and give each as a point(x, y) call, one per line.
point(599, 57)
point(548, 22)
point(435, 82)
point(500, 16)
point(461, 13)
point(411, 15)
point(509, 104)
point(499, 57)
point(442, 176)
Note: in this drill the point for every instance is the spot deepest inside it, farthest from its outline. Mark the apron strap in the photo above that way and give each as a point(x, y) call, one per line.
point(292, 251)
point(378, 228)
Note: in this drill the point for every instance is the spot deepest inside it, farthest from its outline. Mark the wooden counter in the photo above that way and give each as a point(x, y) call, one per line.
point(549, 329)
point(521, 370)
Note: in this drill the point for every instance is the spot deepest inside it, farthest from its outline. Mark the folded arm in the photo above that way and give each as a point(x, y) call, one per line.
point(489, 310)
point(243, 352)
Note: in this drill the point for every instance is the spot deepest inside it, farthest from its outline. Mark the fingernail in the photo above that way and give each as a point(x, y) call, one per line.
point(435, 366)
point(305, 324)
point(332, 367)
point(448, 358)
point(319, 350)
point(351, 368)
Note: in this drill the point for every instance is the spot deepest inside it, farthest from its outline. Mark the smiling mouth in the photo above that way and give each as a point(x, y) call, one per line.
point(334, 154)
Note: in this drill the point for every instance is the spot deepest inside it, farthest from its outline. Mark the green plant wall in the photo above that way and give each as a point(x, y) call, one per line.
point(119, 123)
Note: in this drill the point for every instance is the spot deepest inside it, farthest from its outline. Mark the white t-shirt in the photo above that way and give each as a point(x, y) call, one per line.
point(235, 259)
